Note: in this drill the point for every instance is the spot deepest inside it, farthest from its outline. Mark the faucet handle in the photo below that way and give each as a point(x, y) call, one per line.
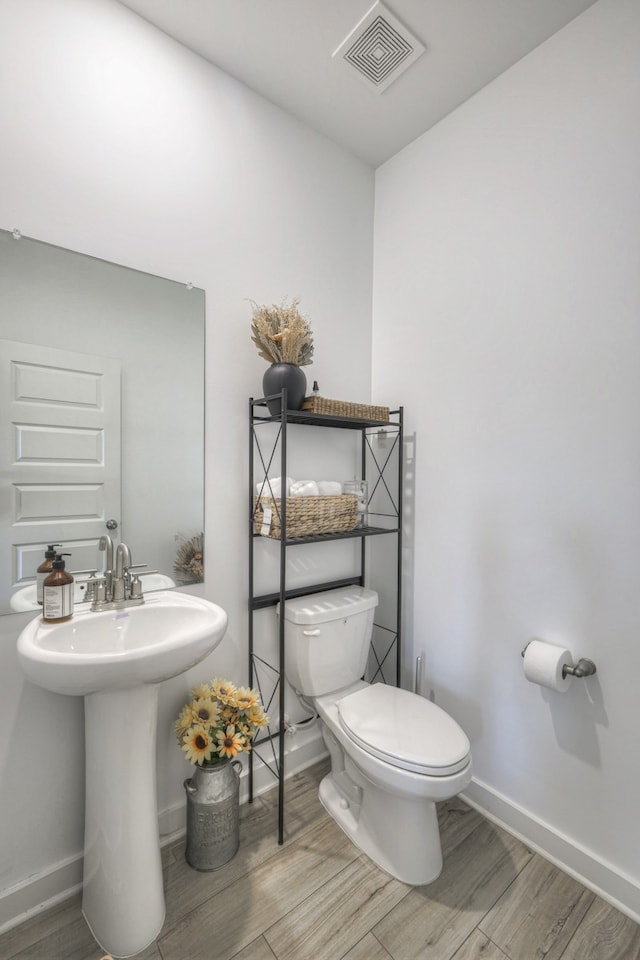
point(136, 585)
point(90, 586)
point(100, 590)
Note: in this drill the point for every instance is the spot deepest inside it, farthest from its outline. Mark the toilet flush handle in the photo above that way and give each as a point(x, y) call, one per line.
point(311, 633)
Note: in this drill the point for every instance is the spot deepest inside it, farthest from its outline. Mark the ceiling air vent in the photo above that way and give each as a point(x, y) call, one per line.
point(379, 48)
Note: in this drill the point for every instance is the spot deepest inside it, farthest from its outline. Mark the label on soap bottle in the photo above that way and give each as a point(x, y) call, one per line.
point(40, 579)
point(58, 602)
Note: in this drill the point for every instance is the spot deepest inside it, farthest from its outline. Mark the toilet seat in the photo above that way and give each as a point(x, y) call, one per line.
point(404, 730)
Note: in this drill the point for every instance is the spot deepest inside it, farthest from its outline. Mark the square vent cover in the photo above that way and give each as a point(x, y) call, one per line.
point(379, 48)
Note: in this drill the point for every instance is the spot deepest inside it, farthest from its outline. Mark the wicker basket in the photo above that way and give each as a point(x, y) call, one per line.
point(308, 516)
point(342, 408)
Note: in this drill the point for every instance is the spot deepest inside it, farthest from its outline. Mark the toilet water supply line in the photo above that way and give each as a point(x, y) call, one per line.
point(292, 728)
point(417, 683)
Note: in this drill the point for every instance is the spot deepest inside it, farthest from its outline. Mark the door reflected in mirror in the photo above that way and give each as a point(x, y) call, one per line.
point(102, 432)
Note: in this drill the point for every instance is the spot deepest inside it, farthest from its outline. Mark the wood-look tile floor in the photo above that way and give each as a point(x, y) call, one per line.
point(317, 897)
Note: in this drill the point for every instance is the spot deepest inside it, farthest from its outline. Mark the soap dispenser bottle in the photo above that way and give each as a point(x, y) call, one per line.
point(58, 593)
point(45, 569)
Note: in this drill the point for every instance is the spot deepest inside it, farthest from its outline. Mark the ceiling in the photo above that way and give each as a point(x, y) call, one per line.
point(282, 49)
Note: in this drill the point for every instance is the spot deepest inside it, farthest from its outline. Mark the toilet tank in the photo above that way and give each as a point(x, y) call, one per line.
point(327, 637)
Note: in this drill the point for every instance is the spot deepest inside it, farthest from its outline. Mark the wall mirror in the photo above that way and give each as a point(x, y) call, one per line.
point(102, 418)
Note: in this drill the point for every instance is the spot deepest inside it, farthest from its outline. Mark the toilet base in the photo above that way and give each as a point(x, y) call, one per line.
point(400, 835)
point(388, 812)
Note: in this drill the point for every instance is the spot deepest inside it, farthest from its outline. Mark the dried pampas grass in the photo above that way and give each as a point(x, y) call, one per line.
point(281, 333)
point(189, 562)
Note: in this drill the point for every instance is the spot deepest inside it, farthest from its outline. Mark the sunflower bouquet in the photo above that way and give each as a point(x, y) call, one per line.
point(219, 722)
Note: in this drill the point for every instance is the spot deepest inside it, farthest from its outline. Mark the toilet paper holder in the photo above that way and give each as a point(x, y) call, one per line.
point(583, 668)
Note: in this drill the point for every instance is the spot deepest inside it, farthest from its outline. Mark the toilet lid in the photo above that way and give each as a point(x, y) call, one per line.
point(404, 730)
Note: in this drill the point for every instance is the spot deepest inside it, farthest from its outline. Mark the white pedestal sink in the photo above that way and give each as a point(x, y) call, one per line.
point(115, 660)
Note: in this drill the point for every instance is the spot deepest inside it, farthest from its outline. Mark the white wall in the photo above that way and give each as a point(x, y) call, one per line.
point(506, 299)
point(118, 142)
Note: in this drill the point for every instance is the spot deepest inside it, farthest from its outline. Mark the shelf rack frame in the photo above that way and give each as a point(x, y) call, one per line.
point(273, 741)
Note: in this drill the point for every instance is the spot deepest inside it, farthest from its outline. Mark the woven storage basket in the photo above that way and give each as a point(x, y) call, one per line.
point(307, 516)
point(342, 408)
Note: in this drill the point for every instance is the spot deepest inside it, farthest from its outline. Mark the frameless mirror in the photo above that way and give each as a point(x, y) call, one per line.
point(101, 419)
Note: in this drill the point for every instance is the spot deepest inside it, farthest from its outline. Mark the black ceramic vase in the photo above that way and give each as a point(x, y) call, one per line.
point(288, 375)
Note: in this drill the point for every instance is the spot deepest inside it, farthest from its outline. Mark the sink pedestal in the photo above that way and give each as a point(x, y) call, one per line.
point(116, 659)
point(123, 896)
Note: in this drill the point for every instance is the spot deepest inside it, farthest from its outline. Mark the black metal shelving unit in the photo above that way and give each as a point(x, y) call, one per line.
point(385, 486)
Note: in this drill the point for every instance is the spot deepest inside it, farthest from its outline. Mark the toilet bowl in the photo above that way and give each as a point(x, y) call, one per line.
point(393, 753)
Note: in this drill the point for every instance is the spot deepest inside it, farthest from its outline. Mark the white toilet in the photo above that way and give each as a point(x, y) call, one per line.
point(393, 753)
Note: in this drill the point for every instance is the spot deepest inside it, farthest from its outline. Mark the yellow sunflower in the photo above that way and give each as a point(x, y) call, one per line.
point(185, 718)
point(205, 712)
point(257, 716)
point(229, 742)
point(248, 732)
point(228, 714)
point(223, 691)
point(198, 745)
point(246, 698)
point(201, 692)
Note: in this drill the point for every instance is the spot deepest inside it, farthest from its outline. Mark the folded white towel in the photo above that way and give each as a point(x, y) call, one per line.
point(303, 488)
point(329, 488)
point(298, 488)
point(273, 487)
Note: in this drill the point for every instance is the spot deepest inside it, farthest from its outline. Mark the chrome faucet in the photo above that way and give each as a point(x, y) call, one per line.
point(117, 587)
point(123, 562)
point(105, 543)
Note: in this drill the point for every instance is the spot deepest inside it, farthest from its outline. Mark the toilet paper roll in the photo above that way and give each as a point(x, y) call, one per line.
point(543, 663)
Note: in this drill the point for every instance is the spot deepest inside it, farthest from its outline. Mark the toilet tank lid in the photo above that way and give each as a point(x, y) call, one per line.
point(330, 605)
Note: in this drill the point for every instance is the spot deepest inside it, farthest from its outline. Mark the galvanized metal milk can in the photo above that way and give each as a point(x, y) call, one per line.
point(213, 815)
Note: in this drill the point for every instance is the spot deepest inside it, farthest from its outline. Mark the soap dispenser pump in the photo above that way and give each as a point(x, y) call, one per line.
point(45, 569)
point(58, 593)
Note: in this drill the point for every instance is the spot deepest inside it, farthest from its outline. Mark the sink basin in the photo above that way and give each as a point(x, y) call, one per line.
point(116, 649)
point(116, 660)
point(26, 599)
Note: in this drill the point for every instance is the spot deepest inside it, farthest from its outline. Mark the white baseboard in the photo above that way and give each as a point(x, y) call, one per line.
point(57, 883)
point(620, 890)
point(39, 892)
